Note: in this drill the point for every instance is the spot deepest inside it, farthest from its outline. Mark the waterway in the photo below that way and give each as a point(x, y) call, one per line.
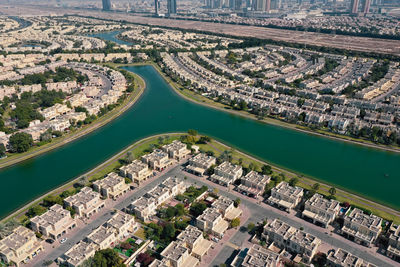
point(110, 36)
point(160, 110)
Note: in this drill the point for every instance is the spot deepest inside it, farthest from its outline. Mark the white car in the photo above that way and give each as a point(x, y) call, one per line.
point(63, 240)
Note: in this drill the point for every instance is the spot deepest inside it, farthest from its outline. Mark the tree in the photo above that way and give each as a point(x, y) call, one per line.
point(236, 203)
point(83, 181)
point(52, 200)
point(251, 227)
point(192, 132)
point(316, 186)
point(168, 232)
point(197, 208)
point(293, 181)
point(130, 157)
point(2, 150)
point(35, 211)
point(144, 258)
point(21, 142)
point(266, 169)
point(332, 191)
point(235, 223)
point(107, 257)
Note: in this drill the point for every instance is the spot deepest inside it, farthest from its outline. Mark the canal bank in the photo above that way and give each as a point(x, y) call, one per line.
point(77, 133)
point(162, 110)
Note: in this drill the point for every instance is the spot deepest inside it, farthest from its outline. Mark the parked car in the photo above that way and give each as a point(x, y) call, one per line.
point(62, 241)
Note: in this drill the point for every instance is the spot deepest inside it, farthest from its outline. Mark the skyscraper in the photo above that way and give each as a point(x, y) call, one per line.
point(354, 6)
point(156, 7)
point(107, 5)
point(367, 5)
point(171, 5)
point(262, 5)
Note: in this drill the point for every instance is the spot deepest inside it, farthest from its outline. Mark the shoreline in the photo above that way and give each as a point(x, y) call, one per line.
point(272, 121)
point(305, 182)
point(70, 137)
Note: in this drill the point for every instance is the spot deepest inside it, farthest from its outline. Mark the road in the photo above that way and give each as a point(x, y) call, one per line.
point(258, 212)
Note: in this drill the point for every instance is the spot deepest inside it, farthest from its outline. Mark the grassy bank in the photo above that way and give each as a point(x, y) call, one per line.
point(77, 133)
point(145, 145)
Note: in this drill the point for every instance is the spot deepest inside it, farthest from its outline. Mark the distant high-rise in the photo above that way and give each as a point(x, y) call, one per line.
point(171, 5)
point(107, 5)
point(262, 5)
point(156, 7)
point(367, 5)
point(354, 6)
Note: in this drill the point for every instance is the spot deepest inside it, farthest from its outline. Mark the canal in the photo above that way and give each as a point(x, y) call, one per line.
point(160, 110)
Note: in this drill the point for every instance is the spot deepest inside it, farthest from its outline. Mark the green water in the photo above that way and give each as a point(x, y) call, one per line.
point(161, 110)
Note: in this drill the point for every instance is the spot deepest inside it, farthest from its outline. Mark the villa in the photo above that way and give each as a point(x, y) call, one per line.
point(226, 173)
point(285, 196)
point(54, 223)
point(200, 163)
point(320, 210)
point(86, 203)
point(20, 246)
point(176, 150)
point(137, 171)
point(112, 186)
point(361, 228)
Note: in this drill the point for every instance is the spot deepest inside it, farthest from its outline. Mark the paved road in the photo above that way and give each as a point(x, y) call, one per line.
point(258, 213)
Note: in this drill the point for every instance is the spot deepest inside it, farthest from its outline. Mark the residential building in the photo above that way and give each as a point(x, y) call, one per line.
point(143, 208)
point(227, 208)
point(292, 239)
point(137, 171)
point(342, 258)
point(361, 228)
point(200, 163)
point(192, 238)
point(80, 252)
point(178, 255)
point(85, 203)
point(20, 246)
point(112, 186)
point(158, 160)
point(122, 223)
point(212, 221)
point(176, 150)
point(226, 173)
point(320, 210)
point(54, 223)
point(257, 256)
point(253, 184)
point(103, 237)
point(285, 196)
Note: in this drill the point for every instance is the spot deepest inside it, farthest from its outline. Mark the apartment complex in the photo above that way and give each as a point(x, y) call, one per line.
point(226, 173)
point(285, 196)
point(361, 228)
point(112, 186)
point(85, 203)
point(200, 163)
point(20, 246)
point(291, 239)
point(55, 223)
point(320, 210)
